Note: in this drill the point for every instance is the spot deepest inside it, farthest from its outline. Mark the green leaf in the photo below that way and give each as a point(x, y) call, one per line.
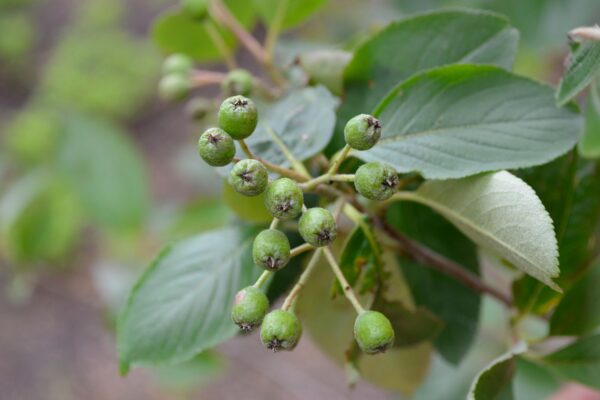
point(106, 71)
point(179, 32)
point(575, 212)
point(181, 305)
point(295, 11)
point(330, 325)
point(495, 381)
point(532, 381)
point(501, 213)
point(325, 67)
point(589, 146)
point(579, 311)
point(460, 120)
point(105, 170)
point(304, 120)
point(427, 41)
point(579, 361)
point(410, 326)
point(40, 219)
point(361, 257)
point(457, 306)
point(585, 63)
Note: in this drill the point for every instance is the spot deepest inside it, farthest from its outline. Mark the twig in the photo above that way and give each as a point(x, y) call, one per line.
point(274, 223)
point(348, 292)
point(301, 249)
point(262, 279)
point(429, 258)
point(204, 77)
point(275, 28)
point(220, 44)
point(296, 165)
point(339, 159)
point(273, 167)
point(302, 280)
point(327, 179)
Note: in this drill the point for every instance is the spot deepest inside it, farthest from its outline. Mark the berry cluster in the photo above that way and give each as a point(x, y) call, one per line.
point(284, 199)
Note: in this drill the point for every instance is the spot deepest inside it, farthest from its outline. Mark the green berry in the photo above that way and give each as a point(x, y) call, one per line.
point(284, 199)
point(317, 227)
point(238, 82)
point(373, 332)
point(271, 250)
point(174, 87)
point(249, 177)
point(196, 8)
point(362, 132)
point(177, 64)
point(249, 308)
point(198, 108)
point(238, 117)
point(281, 330)
point(216, 147)
point(376, 181)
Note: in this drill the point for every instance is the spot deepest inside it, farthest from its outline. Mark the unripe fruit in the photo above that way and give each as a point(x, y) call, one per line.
point(196, 8)
point(249, 308)
point(373, 332)
point(281, 330)
point(198, 108)
point(238, 81)
point(174, 87)
point(271, 250)
point(238, 117)
point(249, 177)
point(317, 227)
point(376, 181)
point(284, 199)
point(362, 132)
point(216, 147)
point(177, 64)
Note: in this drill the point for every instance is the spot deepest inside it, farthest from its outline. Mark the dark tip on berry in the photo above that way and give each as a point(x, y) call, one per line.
point(246, 328)
point(275, 345)
point(373, 122)
point(214, 139)
point(240, 103)
point(246, 176)
point(391, 181)
point(324, 236)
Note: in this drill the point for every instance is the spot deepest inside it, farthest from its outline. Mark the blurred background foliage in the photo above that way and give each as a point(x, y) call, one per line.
point(96, 175)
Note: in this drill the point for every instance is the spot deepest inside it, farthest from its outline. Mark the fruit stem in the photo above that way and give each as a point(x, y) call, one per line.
point(219, 11)
point(348, 292)
point(273, 167)
point(262, 279)
point(274, 29)
point(296, 165)
point(204, 78)
point(326, 178)
point(274, 223)
point(339, 159)
point(220, 44)
point(301, 249)
point(289, 300)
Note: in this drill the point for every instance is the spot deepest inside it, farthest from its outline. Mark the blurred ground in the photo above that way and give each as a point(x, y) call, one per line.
point(57, 347)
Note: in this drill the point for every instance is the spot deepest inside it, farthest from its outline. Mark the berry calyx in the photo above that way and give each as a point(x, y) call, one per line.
point(249, 308)
point(174, 87)
point(216, 147)
point(249, 177)
point(238, 117)
point(373, 332)
point(284, 199)
point(238, 82)
point(177, 64)
point(317, 227)
point(376, 181)
point(281, 330)
point(362, 132)
point(271, 250)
